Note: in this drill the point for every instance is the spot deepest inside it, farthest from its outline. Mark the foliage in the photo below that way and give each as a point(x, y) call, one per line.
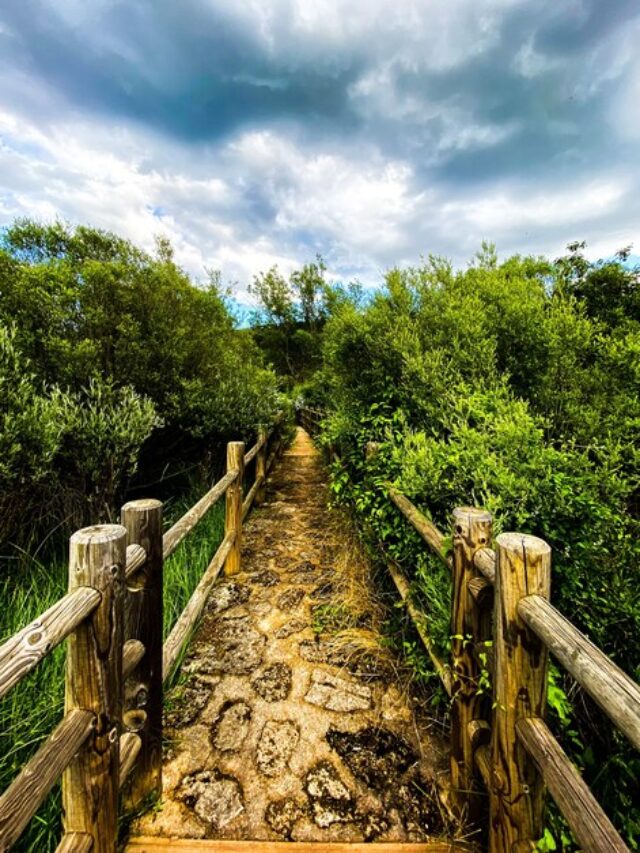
point(512, 386)
point(63, 454)
point(108, 353)
point(291, 313)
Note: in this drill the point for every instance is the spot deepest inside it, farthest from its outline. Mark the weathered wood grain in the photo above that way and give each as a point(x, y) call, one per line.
point(479, 733)
point(132, 653)
point(485, 562)
point(233, 506)
point(25, 795)
point(610, 687)
point(24, 651)
point(481, 590)
point(94, 683)
point(136, 556)
point(174, 536)
point(171, 845)
point(75, 842)
point(251, 495)
point(471, 530)
point(251, 454)
point(418, 619)
point(427, 529)
point(143, 623)
point(261, 467)
point(523, 567)
point(591, 827)
point(188, 618)
point(130, 746)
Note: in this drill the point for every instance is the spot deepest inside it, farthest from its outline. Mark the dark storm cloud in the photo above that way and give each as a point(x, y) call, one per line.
point(370, 131)
point(183, 68)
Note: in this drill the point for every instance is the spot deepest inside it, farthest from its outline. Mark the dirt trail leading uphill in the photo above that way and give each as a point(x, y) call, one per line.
point(272, 734)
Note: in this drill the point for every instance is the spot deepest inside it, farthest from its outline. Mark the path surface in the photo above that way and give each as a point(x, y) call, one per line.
point(271, 736)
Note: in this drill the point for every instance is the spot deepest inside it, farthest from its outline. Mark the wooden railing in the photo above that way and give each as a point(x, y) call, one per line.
point(108, 746)
point(504, 626)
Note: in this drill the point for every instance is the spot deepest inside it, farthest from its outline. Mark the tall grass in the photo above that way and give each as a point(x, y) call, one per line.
point(33, 708)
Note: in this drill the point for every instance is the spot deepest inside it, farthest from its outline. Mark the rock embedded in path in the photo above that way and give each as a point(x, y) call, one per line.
point(315, 651)
point(329, 798)
point(186, 702)
point(274, 683)
point(373, 824)
point(232, 726)
point(264, 578)
point(282, 815)
point(214, 797)
point(226, 595)
point(376, 756)
point(293, 626)
point(277, 742)
point(290, 599)
point(234, 646)
point(417, 805)
point(337, 694)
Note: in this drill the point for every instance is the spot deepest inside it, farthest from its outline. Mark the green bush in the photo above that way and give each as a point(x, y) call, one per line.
point(114, 361)
point(511, 386)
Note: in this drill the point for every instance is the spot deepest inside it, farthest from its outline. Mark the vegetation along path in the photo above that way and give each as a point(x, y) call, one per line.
point(275, 732)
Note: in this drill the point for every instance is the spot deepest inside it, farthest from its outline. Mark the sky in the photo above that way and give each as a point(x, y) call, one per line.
point(372, 132)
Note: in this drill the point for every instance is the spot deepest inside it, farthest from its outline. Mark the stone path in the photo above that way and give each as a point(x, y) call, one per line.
point(271, 734)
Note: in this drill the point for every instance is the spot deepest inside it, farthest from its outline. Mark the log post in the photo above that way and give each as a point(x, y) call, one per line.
point(93, 683)
point(233, 505)
point(471, 531)
point(523, 567)
point(143, 622)
point(261, 467)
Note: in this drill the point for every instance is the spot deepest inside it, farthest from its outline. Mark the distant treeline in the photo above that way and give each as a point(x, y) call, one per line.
point(112, 362)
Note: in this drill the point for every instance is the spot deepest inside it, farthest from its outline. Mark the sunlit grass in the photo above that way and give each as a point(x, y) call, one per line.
point(31, 710)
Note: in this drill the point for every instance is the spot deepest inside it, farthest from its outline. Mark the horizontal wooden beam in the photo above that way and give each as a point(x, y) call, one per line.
point(130, 745)
point(24, 651)
point(248, 501)
point(136, 558)
point(174, 536)
point(485, 562)
point(171, 845)
point(402, 585)
point(75, 842)
point(25, 794)
point(426, 528)
point(591, 827)
point(187, 620)
point(249, 455)
point(610, 687)
point(132, 654)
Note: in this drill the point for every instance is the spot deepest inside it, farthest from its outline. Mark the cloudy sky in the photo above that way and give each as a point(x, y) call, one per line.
point(255, 132)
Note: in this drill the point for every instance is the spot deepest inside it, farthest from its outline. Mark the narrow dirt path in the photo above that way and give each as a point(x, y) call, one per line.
point(272, 735)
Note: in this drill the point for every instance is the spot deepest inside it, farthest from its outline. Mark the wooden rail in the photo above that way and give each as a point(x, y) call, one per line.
point(501, 743)
point(108, 746)
point(485, 736)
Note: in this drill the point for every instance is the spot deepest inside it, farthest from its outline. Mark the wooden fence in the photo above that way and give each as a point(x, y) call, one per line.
point(504, 626)
point(108, 746)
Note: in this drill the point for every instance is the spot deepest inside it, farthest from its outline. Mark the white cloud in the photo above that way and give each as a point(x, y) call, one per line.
point(413, 164)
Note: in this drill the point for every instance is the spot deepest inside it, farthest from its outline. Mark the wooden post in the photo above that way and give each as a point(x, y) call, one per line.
point(471, 531)
point(233, 505)
point(143, 622)
point(523, 567)
point(93, 683)
point(261, 467)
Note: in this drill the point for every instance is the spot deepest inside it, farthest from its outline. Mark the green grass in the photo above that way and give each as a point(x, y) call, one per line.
point(32, 709)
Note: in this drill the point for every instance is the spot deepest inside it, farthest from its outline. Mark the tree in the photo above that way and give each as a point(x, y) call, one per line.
point(309, 286)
